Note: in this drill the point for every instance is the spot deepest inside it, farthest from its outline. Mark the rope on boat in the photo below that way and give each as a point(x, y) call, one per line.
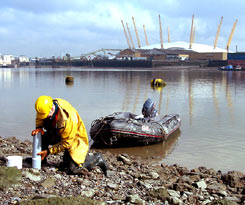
point(161, 126)
point(103, 124)
point(101, 120)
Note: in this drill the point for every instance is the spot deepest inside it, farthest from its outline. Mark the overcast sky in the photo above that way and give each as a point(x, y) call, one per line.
point(47, 28)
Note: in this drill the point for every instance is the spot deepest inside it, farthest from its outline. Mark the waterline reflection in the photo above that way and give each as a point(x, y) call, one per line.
point(209, 102)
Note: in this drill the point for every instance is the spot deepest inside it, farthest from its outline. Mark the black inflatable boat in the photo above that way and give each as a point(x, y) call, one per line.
point(124, 129)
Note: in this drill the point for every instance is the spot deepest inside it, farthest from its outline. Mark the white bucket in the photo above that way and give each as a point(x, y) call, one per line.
point(14, 161)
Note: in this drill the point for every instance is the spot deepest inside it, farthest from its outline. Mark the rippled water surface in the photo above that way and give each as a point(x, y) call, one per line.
point(211, 105)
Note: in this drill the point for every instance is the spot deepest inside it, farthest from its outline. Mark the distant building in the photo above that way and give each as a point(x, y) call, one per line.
point(23, 59)
point(129, 54)
point(236, 59)
point(208, 56)
point(6, 60)
point(154, 54)
point(178, 54)
point(171, 53)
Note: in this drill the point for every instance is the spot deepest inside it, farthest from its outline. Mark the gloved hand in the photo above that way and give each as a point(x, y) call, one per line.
point(43, 154)
point(34, 132)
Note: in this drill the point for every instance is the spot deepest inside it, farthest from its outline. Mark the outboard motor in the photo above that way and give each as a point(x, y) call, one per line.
point(149, 109)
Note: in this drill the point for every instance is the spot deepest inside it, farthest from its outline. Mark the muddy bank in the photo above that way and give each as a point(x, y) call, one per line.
point(130, 180)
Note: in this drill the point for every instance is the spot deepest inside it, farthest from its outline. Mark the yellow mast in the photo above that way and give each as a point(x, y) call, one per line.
point(191, 35)
point(168, 35)
point(160, 25)
point(125, 33)
point(146, 39)
point(231, 35)
point(136, 32)
point(218, 31)
point(130, 36)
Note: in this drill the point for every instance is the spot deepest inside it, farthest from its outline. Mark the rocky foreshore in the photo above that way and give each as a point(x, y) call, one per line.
point(129, 180)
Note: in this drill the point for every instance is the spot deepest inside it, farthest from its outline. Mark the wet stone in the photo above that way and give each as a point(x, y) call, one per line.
point(201, 184)
point(129, 180)
point(112, 186)
point(49, 182)
point(118, 197)
point(154, 175)
point(32, 177)
point(88, 193)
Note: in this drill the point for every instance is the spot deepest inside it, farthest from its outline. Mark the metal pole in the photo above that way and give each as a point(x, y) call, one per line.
point(36, 147)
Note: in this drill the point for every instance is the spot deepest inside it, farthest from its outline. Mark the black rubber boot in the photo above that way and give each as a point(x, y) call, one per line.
point(69, 166)
point(95, 159)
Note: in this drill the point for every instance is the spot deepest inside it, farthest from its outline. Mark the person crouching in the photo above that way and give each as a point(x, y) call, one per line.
point(62, 127)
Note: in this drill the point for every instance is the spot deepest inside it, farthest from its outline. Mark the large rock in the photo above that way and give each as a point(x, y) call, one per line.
point(234, 179)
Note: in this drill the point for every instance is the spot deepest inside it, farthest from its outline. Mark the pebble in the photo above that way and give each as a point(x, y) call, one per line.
point(129, 180)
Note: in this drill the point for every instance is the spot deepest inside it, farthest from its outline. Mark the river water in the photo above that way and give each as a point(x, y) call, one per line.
point(211, 104)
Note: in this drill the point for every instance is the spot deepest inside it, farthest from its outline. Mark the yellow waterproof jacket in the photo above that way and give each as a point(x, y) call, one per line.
point(72, 131)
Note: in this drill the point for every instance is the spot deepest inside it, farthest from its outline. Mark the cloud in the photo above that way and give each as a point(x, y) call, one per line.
point(47, 28)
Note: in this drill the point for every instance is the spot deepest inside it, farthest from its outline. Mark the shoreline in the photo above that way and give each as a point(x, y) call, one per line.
point(129, 180)
point(116, 63)
point(157, 68)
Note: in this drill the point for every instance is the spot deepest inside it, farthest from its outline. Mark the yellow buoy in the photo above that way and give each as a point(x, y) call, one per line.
point(157, 82)
point(69, 79)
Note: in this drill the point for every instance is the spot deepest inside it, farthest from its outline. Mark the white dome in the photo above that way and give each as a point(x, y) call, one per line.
point(197, 47)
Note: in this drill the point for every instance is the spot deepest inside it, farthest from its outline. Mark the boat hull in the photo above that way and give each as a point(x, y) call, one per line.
point(124, 130)
point(233, 69)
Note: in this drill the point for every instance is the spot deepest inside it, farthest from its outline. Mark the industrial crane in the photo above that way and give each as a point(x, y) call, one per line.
point(146, 39)
point(231, 35)
point(136, 32)
point(191, 35)
point(130, 36)
point(125, 33)
point(160, 25)
point(218, 31)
